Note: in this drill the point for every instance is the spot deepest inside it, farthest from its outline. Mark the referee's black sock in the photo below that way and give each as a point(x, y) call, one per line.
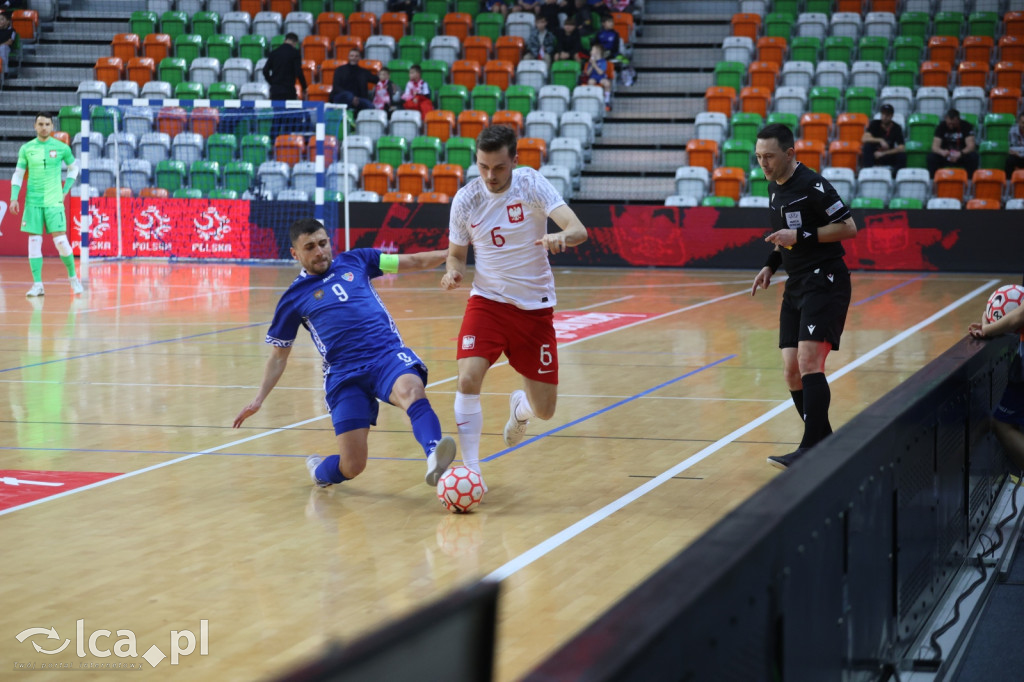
point(798, 400)
point(817, 397)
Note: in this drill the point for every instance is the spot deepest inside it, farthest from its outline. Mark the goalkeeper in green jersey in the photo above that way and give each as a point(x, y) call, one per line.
point(44, 199)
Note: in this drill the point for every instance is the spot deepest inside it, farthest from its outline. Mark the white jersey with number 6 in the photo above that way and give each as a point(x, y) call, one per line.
point(502, 228)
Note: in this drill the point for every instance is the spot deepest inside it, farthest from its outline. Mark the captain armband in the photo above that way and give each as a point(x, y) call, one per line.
point(389, 263)
point(774, 260)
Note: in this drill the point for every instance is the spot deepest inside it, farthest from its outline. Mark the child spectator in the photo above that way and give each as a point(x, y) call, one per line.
point(596, 73)
point(385, 92)
point(571, 45)
point(417, 92)
point(608, 37)
point(542, 43)
point(7, 38)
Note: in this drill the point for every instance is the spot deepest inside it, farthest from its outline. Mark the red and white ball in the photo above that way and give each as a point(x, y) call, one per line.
point(1003, 300)
point(460, 489)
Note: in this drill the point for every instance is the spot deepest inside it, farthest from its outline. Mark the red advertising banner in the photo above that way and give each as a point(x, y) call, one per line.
point(13, 242)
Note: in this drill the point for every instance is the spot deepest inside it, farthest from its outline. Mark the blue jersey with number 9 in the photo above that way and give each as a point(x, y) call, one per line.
point(342, 311)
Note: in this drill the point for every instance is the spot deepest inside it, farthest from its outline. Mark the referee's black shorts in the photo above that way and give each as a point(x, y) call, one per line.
point(814, 306)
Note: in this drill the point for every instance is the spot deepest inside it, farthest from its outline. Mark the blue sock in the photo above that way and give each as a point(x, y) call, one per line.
point(426, 427)
point(329, 471)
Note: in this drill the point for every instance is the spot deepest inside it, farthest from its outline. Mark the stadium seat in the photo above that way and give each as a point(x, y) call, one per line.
point(532, 152)
point(490, 24)
point(738, 153)
point(851, 126)
point(728, 182)
point(772, 50)
point(532, 73)
point(96, 143)
point(867, 74)
point(846, 24)
point(824, 100)
point(912, 183)
point(753, 202)
point(359, 149)
point(392, 150)
point(477, 49)
point(993, 153)
point(499, 73)
point(303, 176)
point(950, 183)
point(440, 124)
point(170, 175)
point(692, 181)
point(362, 25)
point(406, 123)
point(843, 180)
point(703, 153)
point(461, 151)
point(92, 90)
point(521, 98)
point(868, 203)
point(1011, 48)
point(898, 203)
point(466, 73)
point(839, 49)
point(565, 72)
point(718, 202)
point(372, 123)
point(364, 196)
point(746, 24)
point(394, 25)
point(1004, 100)
point(509, 49)
point(970, 101)
point(790, 100)
point(512, 119)
point(933, 74)
point(707, 126)
point(433, 198)
point(205, 176)
point(378, 178)
point(458, 25)
point(425, 150)
point(779, 24)
point(811, 153)
point(983, 204)
point(412, 49)
point(738, 49)
point(205, 70)
point(797, 74)
point(901, 98)
point(763, 74)
point(447, 178)
point(997, 126)
point(844, 154)
point(943, 48)
point(875, 182)
point(330, 25)
point(904, 49)
point(399, 198)
point(519, 24)
point(812, 24)
point(412, 178)
point(1009, 74)
point(988, 184)
point(560, 178)
point(568, 152)
point(471, 122)
point(755, 100)
point(932, 100)
point(445, 48)
point(342, 178)
point(1017, 184)
point(730, 74)
point(816, 127)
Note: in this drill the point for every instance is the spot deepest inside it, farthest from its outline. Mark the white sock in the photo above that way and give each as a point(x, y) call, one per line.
point(469, 418)
point(523, 411)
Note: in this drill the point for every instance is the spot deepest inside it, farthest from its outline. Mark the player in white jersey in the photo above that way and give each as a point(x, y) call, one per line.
point(504, 215)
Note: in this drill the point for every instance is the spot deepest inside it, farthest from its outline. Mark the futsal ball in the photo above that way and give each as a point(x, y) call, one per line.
point(1003, 300)
point(460, 489)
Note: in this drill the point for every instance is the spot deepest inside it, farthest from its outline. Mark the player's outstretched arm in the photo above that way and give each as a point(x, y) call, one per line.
point(1010, 322)
point(456, 265)
point(573, 232)
point(426, 260)
point(275, 368)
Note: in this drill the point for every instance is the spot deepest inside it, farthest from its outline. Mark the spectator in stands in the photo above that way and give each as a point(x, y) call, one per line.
point(608, 38)
point(571, 44)
point(883, 142)
point(417, 92)
point(407, 6)
point(953, 145)
point(352, 84)
point(283, 68)
point(497, 6)
point(542, 43)
point(596, 73)
point(550, 11)
point(618, 5)
point(7, 38)
point(531, 6)
point(385, 93)
point(584, 16)
point(1015, 159)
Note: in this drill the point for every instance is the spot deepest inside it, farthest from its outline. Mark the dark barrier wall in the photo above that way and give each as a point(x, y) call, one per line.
point(831, 570)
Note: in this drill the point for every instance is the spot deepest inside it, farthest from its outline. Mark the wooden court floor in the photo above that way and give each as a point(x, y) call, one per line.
point(667, 411)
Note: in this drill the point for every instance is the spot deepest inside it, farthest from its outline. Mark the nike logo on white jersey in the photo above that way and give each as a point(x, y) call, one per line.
point(818, 187)
point(473, 227)
point(810, 328)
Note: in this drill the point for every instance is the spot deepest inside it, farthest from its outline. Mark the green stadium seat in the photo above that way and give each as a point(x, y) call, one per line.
point(907, 49)
point(486, 98)
point(189, 90)
point(399, 69)
point(993, 153)
point(435, 73)
point(779, 25)
point(718, 202)
point(757, 184)
point(275, 42)
point(873, 49)
point(223, 194)
point(839, 49)
point(471, 7)
point(412, 48)
point(170, 174)
point(252, 47)
point(238, 176)
point(730, 74)
point(453, 98)
point(738, 154)
point(948, 24)
point(791, 121)
point(804, 49)
point(392, 150)
point(188, 46)
point(69, 120)
point(143, 23)
point(223, 91)
point(902, 74)
point(206, 24)
point(982, 24)
point(860, 100)
point(914, 24)
point(565, 72)
point(314, 7)
point(187, 193)
point(997, 127)
point(461, 151)
point(744, 126)
point(786, 6)
point(438, 7)
point(334, 197)
point(205, 175)
point(173, 70)
point(868, 202)
point(489, 24)
point(174, 24)
point(521, 98)
point(904, 203)
point(824, 100)
point(221, 47)
point(425, 25)
point(105, 120)
point(255, 149)
point(426, 150)
point(819, 6)
point(345, 7)
point(222, 148)
point(917, 154)
point(921, 127)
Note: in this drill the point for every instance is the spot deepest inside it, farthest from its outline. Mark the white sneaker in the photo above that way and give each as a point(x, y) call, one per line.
point(439, 460)
point(515, 430)
point(312, 462)
point(476, 468)
point(76, 285)
point(36, 290)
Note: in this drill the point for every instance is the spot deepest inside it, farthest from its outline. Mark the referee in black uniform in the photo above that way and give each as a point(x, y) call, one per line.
point(808, 220)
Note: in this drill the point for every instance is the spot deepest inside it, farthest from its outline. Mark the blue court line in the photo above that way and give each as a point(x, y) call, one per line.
point(883, 293)
point(606, 409)
point(139, 345)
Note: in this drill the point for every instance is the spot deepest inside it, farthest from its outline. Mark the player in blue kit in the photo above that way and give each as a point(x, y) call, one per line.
point(365, 358)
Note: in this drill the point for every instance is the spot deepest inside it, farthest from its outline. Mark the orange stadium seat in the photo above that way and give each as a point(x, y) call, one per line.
point(720, 99)
point(342, 45)
point(1017, 183)
point(316, 48)
point(413, 178)
point(1011, 49)
point(624, 25)
point(950, 182)
point(109, 69)
point(125, 192)
point(282, 7)
point(988, 184)
point(755, 100)
point(319, 92)
point(771, 49)
point(984, 204)
point(440, 124)
point(1014, 24)
point(289, 148)
point(533, 152)
point(434, 198)
point(943, 48)
point(330, 25)
point(973, 73)
point(466, 73)
point(378, 177)
point(935, 74)
point(855, 6)
point(448, 178)
point(253, 7)
point(154, 193)
point(499, 72)
point(746, 24)
point(362, 24)
point(728, 182)
point(810, 153)
point(458, 24)
point(703, 153)
point(328, 68)
point(510, 49)
point(512, 119)
point(330, 148)
point(371, 65)
point(852, 126)
point(171, 120)
point(398, 198)
point(394, 24)
point(141, 70)
point(763, 74)
point(25, 23)
point(978, 49)
point(205, 121)
point(310, 70)
point(844, 154)
point(1004, 100)
point(816, 127)
point(884, 6)
point(472, 122)
point(477, 49)
point(125, 46)
point(63, 137)
point(1008, 74)
point(157, 46)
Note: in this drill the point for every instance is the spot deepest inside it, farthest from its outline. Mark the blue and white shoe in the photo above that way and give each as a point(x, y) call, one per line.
point(439, 459)
point(312, 462)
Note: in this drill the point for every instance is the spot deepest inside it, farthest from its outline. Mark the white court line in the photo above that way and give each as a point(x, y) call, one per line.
point(528, 557)
point(598, 305)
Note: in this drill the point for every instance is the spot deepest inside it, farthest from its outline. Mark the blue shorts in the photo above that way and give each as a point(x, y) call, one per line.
point(1011, 406)
point(352, 397)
